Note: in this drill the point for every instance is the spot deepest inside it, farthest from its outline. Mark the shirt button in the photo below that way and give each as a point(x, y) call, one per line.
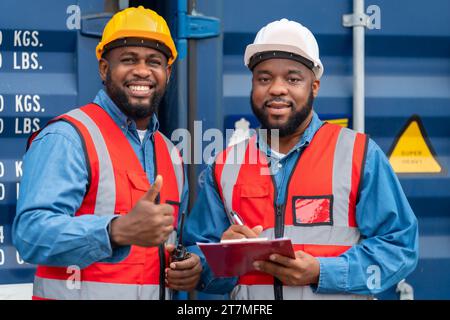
point(279, 165)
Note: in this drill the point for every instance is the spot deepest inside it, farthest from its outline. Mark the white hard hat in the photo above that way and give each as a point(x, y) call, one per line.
point(285, 39)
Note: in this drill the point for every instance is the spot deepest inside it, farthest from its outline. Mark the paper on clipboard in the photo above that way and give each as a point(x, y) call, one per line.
point(235, 257)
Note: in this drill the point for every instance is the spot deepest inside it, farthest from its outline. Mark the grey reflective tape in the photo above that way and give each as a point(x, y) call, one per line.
point(177, 164)
point(265, 292)
point(293, 293)
point(89, 290)
point(342, 176)
point(321, 235)
point(169, 295)
point(268, 233)
point(151, 292)
point(235, 158)
point(172, 238)
point(306, 293)
point(105, 202)
point(253, 292)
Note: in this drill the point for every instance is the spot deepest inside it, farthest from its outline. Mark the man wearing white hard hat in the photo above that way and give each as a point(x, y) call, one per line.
point(329, 189)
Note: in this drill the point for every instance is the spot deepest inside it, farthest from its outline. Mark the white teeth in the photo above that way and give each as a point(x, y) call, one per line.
point(140, 88)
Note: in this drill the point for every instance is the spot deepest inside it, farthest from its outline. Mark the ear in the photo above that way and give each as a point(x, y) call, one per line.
point(168, 73)
point(315, 87)
point(103, 66)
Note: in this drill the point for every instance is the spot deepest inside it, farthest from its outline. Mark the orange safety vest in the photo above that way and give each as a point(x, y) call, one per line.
point(116, 182)
point(318, 213)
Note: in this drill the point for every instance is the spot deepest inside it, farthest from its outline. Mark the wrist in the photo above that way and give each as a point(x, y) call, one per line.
point(115, 234)
point(316, 272)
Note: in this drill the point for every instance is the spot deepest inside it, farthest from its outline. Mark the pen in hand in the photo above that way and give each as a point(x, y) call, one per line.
point(236, 219)
point(239, 230)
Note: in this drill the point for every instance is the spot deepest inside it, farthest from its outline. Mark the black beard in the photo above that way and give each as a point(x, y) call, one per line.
point(133, 111)
point(294, 121)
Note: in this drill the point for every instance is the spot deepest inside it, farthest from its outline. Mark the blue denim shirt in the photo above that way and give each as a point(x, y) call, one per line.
point(55, 177)
point(385, 219)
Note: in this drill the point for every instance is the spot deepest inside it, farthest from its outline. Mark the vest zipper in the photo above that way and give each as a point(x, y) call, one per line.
point(280, 212)
point(279, 230)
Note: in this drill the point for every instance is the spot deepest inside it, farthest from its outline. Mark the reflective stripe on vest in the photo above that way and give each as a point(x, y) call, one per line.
point(106, 192)
point(265, 292)
point(337, 235)
point(328, 170)
point(342, 176)
point(176, 160)
point(235, 157)
point(172, 238)
point(117, 181)
point(89, 290)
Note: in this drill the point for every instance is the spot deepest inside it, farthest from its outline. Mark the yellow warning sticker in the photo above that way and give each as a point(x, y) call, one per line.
point(412, 151)
point(342, 122)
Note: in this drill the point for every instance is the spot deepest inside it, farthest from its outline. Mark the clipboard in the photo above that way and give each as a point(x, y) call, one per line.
point(235, 257)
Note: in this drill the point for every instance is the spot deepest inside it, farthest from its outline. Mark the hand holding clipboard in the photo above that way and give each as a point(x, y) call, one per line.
point(235, 257)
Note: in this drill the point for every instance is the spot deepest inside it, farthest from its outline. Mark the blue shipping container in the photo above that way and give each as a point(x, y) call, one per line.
point(48, 66)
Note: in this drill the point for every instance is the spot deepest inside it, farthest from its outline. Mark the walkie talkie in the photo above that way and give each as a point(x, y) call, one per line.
point(180, 253)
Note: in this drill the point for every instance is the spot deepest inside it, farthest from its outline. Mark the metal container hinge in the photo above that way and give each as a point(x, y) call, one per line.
point(193, 26)
point(355, 20)
point(197, 26)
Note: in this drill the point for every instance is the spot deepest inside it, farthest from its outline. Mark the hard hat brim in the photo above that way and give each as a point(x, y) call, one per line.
point(253, 49)
point(138, 42)
point(139, 34)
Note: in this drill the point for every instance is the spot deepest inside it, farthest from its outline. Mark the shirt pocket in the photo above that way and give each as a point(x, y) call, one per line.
point(138, 186)
point(254, 204)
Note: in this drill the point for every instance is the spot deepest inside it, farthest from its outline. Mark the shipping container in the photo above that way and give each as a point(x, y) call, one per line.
point(48, 66)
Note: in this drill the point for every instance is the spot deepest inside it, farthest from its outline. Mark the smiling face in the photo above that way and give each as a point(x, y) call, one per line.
point(283, 92)
point(135, 79)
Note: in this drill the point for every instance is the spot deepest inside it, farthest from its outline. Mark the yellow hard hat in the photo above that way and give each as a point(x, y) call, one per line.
point(137, 27)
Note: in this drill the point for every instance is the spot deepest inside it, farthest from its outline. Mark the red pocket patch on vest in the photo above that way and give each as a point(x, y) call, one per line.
point(312, 210)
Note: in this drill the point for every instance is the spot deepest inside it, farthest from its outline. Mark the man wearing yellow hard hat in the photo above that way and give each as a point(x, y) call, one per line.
point(103, 189)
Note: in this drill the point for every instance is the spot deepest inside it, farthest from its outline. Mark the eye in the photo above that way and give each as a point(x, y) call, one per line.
point(263, 80)
point(128, 60)
point(294, 80)
point(155, 63)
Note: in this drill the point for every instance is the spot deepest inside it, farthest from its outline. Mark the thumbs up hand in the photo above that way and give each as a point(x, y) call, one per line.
point(154, 190)
point(147, 224)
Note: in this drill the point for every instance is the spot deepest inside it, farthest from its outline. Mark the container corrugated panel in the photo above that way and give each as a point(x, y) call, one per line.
point(407, 73)
point(46, 68)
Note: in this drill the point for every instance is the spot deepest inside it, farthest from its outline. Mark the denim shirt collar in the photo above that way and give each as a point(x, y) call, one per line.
point(124, 123)
point(305, 139)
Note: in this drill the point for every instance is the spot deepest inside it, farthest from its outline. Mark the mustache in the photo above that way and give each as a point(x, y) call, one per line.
point(279, 100)
point(150, 82)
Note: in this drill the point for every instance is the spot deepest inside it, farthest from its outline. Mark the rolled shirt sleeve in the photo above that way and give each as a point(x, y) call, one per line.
point(388, 251)
point(45, 229)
